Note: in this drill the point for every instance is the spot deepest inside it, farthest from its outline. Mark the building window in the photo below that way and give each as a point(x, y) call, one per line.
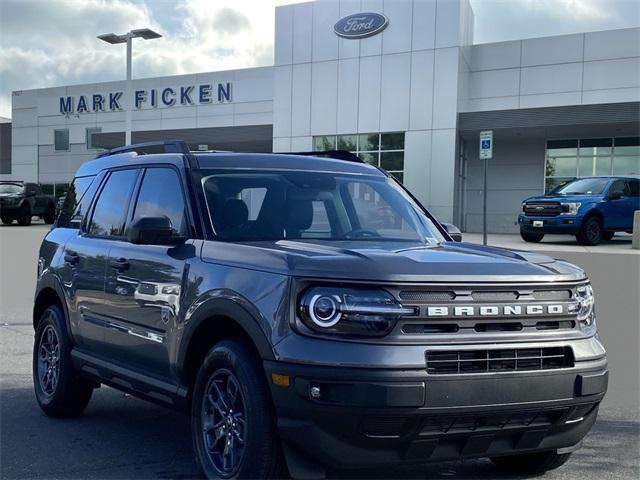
point(61, 139)
point(89, 132)
point(385, 150)
point(568, 159)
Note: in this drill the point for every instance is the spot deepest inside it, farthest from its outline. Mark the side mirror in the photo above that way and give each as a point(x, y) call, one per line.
point(615, 195)
point(153, 231)
point(453, 231)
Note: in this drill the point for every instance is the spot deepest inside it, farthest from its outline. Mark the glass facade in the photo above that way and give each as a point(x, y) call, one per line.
point(385, 150)
point(568, 159)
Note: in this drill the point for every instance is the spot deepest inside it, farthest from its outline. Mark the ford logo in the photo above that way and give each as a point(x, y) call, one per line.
point(360, 25)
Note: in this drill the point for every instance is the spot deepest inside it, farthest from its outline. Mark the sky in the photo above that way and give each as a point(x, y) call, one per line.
point(46, 43)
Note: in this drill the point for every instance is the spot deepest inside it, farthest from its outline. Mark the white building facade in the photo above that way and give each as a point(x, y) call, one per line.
point(409, 94)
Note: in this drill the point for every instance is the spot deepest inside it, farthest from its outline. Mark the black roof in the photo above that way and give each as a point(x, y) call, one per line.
point(176, 152)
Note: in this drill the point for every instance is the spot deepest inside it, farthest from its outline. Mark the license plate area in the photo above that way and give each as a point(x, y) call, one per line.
point(538, 223)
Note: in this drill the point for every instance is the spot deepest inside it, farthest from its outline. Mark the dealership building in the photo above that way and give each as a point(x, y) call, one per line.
point(398, 82)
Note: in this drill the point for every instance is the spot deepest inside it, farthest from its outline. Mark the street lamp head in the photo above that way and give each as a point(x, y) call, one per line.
point(112, 38)
point(145, 33)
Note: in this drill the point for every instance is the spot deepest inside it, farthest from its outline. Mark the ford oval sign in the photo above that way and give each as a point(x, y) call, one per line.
point(360, 25)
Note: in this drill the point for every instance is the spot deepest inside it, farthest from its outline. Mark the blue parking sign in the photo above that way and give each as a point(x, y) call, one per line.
point(486, 144)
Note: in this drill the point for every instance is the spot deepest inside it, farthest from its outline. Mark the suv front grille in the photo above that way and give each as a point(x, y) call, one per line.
point(542, 209)
point(442, 362)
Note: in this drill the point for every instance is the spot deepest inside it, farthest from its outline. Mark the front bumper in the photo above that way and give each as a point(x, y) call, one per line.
point(561, 224)
point(366, 417)
point(10, 209)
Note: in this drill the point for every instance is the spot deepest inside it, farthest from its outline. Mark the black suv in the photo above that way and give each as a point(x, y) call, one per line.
point(20, 201)
point(308, 314)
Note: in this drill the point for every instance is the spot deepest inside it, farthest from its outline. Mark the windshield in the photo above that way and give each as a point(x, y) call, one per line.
point(584, 186)
point(10, 188)
point(277, 205)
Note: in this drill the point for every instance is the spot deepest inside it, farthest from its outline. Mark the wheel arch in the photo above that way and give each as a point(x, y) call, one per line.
point(215, 320)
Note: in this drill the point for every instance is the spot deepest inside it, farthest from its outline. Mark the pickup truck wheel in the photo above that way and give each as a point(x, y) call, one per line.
point(590, 232)
point(7, 220)
point(50, 216)
point(24, 216)
point(233, 425)
point(531, 237)
point(531, 463)
point(60, 392)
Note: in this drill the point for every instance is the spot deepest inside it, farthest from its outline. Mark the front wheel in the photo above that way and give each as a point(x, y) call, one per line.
point(60, 392)
point(233, 425)
point(531, 463)
point(531, 237)
point(7, 220)
point(24, 217)
point(590, 232)
point(50, 216)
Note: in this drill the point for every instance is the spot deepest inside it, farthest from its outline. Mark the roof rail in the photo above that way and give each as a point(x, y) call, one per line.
point(335, 154)
point(147, 148)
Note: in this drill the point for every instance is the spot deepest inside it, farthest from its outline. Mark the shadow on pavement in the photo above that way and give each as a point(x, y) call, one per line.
point(123, 437)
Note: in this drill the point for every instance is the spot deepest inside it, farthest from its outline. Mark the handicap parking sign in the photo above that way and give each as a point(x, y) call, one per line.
point(486, 144)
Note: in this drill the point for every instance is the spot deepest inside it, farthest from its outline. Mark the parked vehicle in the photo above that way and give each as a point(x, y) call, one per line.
point(592, 208)
point(21, 201)
point(303, 331)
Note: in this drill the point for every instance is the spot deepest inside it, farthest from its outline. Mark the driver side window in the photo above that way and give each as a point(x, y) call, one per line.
point(161, 196)
point(619, 188)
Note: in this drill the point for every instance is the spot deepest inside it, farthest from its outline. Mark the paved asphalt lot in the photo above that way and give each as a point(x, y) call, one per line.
point(122, 437)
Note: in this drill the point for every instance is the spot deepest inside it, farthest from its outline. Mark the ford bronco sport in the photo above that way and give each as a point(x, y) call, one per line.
point(301, 330)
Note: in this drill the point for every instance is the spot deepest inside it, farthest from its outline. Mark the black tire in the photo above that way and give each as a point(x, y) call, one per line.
point(50, 216)
point(608, 235)
point(7, 220)
point(64, 394)
point(591, 232)
point(259, 454)
point(24, 217)
point(531, 237)
point(531, 463)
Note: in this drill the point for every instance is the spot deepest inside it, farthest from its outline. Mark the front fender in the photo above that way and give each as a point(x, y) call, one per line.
point(223, 303)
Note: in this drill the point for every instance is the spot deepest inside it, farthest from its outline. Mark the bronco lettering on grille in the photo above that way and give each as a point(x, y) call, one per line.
point(495, 310)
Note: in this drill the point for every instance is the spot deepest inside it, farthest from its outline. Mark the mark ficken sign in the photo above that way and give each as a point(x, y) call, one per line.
point(203, 94)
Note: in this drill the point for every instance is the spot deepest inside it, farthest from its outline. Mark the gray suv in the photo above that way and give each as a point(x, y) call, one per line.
point(310, 316)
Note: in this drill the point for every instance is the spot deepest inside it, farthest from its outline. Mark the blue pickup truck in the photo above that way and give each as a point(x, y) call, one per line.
point(592, 208)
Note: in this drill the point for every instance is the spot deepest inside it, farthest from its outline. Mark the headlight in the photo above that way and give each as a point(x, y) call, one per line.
point(570, 208)
point(584, 308)
point(350, 311)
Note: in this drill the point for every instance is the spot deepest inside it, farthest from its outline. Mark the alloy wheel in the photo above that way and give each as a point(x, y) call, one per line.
point(49, 361)
point(224, 422)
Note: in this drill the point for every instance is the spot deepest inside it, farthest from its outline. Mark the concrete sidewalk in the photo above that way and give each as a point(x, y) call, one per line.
point(621, 243)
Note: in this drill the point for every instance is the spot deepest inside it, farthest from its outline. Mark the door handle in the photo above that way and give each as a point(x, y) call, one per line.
point(120, 264)
point(71, 258)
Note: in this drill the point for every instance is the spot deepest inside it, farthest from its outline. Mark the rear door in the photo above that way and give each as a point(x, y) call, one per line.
point(86, 256)
point(144, 282)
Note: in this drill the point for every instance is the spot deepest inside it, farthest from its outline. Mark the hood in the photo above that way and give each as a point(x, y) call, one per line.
point(392, 262)
point(566, 198)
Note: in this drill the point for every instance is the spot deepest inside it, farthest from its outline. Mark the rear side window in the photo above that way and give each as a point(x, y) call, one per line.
point(634, 187)
point(77, 201)
point(112, 204)
point(161, 196)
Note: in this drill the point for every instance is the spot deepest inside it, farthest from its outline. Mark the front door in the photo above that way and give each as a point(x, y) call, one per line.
point(144, 283)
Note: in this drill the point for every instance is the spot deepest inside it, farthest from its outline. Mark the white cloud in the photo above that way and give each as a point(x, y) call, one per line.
point(45, 43)
point(48, 43)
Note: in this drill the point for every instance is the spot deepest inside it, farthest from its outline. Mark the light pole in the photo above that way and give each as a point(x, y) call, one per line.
point(127, 38)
